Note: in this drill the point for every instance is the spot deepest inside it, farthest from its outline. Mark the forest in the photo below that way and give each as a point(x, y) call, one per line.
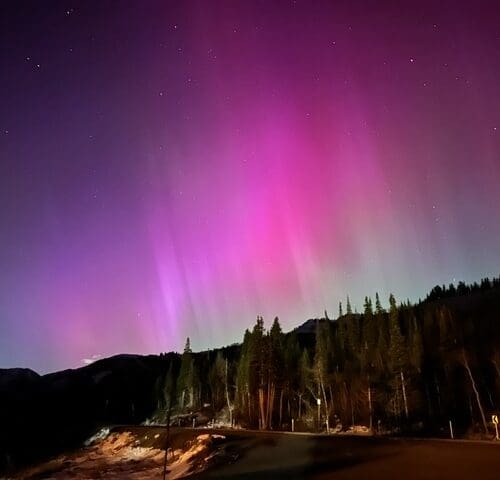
point(401, 369)
point(392, 369)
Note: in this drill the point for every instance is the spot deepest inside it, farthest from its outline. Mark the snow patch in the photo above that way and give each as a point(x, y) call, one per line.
point(119, 456)
point(100, 435)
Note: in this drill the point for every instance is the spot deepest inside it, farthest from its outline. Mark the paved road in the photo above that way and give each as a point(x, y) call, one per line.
point(275, 456)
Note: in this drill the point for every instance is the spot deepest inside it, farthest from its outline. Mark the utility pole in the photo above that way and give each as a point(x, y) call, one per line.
point(167, 440)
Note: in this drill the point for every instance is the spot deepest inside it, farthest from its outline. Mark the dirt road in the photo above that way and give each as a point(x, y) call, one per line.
point(275, 456)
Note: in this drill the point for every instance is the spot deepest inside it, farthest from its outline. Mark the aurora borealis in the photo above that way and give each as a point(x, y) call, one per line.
point(173, 169)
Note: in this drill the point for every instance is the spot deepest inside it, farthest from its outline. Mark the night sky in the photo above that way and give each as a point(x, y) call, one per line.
point(173, 169)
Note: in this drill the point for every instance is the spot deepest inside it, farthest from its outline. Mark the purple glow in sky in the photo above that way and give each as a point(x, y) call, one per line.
point(173, 169)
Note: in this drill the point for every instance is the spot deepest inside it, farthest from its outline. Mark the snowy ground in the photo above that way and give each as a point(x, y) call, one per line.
point(120, 456)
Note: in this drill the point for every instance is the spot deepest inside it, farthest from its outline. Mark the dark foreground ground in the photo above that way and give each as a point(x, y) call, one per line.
point(272, 456)
point(268, 455)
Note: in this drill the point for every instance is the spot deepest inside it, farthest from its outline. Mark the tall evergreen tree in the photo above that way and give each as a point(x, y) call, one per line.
point(321, 364)
point(348, 306)
point(244, 403)
point(169, 387)
point(217, 381)
point(370, 336)
point(398, 354)
point(305, 381)
point(186, 379)
point(258, 374)
point(275, 375)
point(378, 306)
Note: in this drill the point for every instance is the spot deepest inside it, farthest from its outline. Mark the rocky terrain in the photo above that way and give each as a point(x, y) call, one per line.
point(125, 455)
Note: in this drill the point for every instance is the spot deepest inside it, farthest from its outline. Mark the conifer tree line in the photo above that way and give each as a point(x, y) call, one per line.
point(398, 368)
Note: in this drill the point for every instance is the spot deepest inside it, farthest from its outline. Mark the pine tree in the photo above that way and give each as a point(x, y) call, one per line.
point(258, 371)
point(169, 387)
point(397, 346)
point(398, 352)
point(369, 335)
point(416, 351)
point(348, 306)
point(381, 357)
point(291, 372)
point(368, 309)
point(341, 343)
point(216, 380)
point(378, 306)
point(353, 337)
point(186, 379)
point(304, 378)
point(275, 375)
point(244, 403)
point(321, 355)
point(158, 391)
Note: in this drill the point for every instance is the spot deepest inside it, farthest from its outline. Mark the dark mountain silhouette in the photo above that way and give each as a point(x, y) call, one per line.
point(43, 415)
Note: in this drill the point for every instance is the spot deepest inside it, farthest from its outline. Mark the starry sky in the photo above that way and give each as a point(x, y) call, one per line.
point(173, 169)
